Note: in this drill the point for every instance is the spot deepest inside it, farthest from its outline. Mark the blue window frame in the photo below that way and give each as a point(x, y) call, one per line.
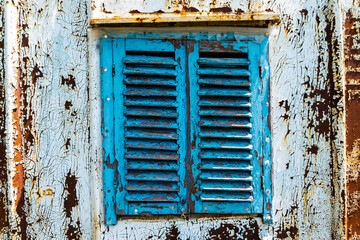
point(185, 124)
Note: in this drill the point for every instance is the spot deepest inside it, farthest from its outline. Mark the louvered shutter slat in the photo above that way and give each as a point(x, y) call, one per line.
point(146, 112)
point(155, 123)
point(149, 71)
point(159, 187)
point(224, 72)
point(150, 91)
point(151, 102)
point(151, 155)
point(225, 82)
point(150, 60)
point(153, 134)
point(152, 165)
point(232, 133)
point(223, 62)
point(230, 92)
point(150, 81)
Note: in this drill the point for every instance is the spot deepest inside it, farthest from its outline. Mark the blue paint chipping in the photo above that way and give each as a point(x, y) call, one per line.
point(185, 125)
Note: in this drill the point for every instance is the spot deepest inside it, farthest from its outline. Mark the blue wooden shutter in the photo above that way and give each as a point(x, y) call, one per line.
point(226, 125)
point(185, 126)
point(149, 135)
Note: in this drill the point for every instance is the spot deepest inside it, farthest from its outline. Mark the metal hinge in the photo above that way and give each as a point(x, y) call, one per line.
point(113, 70)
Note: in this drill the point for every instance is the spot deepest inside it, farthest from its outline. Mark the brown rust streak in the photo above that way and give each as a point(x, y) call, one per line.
point(352, 120)
point(19, 178)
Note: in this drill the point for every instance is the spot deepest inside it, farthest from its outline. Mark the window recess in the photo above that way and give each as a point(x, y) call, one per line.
point(185, 124)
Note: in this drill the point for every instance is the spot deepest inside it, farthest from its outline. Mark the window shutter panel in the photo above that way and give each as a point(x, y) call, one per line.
point(228, 141)
point(148, 117)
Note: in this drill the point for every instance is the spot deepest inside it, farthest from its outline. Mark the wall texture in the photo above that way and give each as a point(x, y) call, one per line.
point(352, 102)
point(50, 116)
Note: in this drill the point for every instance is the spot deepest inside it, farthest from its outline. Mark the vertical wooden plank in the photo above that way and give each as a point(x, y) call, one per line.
point(107, 99)
point(193, 160)
point(256, 121)
point(267, 163)
point(119, 120)
point(181, 80)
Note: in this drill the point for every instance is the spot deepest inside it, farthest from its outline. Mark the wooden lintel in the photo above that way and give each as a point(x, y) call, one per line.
point(183, 18)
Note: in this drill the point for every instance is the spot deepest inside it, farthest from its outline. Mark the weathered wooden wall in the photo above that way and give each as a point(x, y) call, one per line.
point(50, 143)
point(351, 19)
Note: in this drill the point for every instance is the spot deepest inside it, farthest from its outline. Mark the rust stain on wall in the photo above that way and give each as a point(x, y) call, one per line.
point(70, 202)
point(352, 110)
point(69, 81)
point(228, 231)
point(173, 233)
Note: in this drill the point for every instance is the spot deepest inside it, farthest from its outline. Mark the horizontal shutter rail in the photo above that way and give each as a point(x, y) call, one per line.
point(225, 102)
point(223, 62)
point(151, 102)
point(152, 165)
point(153, 123)
point(150, 81)
point(225, 144)
point(225, 154)
point(154, 187)
point(149, 60)
point(236, 133)
point(151, 134)
point(225, 112)
point(152, 197)
point(150, 91)
point(223, 122)
point(223, 46)
point(224, 92)
point(225, 82)
point(152, 155)
point(162, 113)
point(224, 72)
point(151, 144)
point(152, 176)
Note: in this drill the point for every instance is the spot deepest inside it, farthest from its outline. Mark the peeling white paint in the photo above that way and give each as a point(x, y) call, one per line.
point(67, 147)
